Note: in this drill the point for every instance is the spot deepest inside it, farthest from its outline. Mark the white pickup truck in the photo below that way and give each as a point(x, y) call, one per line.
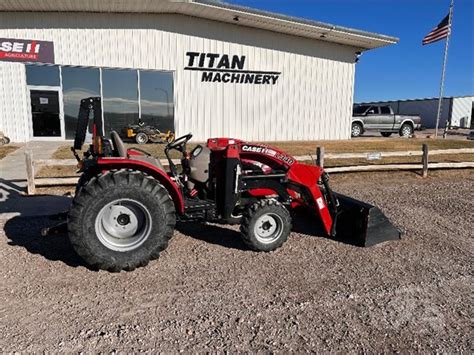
point(382, 119)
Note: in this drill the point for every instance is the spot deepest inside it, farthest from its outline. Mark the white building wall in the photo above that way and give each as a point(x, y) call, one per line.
point(312, 99)
point(14, 120)
point(462, 111)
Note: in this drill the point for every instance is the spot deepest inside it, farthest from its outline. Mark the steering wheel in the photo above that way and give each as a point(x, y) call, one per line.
point(179, 143)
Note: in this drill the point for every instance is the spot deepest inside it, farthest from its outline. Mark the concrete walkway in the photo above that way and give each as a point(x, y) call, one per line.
point(13, 184)
point(13, 167)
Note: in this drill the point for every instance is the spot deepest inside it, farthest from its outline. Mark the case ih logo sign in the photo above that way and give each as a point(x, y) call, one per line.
point(224, 68)
point(25, 50)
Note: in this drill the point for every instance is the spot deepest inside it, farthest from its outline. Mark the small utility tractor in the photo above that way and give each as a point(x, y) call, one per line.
point(126, 203)
point(143, 134)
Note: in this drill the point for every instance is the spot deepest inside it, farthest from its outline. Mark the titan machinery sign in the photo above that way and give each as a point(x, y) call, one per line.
point(225, 68)
point(26, 50)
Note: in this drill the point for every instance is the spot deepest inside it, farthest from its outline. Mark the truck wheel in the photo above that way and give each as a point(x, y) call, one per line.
point(266, 225)
point(356, 130)
point(386, 134)
point(6, 140)
point(121, 220)
point(141, 138)
point(406, 130)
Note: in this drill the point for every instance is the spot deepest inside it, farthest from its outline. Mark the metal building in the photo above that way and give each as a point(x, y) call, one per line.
point(457, 111)
point(197, 66)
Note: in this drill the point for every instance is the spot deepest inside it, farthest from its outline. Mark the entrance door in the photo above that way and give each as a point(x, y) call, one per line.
point(46, 114)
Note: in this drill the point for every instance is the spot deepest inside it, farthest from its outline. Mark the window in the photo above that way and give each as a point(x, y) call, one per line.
point(385, 110)
point(78, 84)
point(156, 99)
point(374, 110)
point(120, 99)
point(359, 110)
point(42, 75)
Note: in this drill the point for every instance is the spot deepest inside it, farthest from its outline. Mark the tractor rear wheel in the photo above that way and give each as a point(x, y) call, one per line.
point(121, 220)
point(266, 225)
point(84, 179)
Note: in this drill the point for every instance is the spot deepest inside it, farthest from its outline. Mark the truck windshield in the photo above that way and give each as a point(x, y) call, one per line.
point(358, 110)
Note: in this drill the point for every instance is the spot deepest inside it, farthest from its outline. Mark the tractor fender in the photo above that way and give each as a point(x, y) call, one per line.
point(147, 168)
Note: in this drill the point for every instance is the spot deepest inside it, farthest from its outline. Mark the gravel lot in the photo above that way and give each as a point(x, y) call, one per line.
point(208, 293)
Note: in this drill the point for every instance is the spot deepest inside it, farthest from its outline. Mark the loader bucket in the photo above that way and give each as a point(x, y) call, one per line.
point(362, 224)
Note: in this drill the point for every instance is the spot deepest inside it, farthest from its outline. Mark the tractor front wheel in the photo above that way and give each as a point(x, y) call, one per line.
point(266, 225)
point(121, 220)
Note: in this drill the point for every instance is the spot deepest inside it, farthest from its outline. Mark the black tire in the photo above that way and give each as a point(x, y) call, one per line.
point(6, 140)
point(84, 179)
point(255, 214)
point(406, 130)
point(85, 224)
point(141, 138)
point(356, 129)
point(386, 134)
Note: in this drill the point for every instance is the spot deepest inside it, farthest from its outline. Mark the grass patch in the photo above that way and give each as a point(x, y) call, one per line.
point(371, 145)
point(57, 171)
point(4, 151)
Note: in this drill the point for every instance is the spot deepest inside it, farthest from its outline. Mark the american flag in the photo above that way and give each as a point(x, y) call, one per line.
point(439, 32)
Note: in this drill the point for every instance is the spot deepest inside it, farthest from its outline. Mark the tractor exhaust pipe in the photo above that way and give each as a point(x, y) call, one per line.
point(362, 224)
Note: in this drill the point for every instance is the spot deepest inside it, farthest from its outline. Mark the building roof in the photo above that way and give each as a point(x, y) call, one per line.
point(213, 10)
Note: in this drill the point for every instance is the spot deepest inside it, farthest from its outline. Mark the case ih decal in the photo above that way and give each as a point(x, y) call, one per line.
point(26, 50)
point(224, 68)
point(261, 149)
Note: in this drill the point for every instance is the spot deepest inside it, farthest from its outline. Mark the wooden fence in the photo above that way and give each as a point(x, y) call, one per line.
point(424, 164)
point(321, 157)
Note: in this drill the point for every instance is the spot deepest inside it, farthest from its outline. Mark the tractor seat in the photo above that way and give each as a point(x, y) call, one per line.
point(121, 152)
point(119, 147)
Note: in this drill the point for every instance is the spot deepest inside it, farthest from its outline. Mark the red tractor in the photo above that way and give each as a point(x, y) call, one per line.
point(126, 204)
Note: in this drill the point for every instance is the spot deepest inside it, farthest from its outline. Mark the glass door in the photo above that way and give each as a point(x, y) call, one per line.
point(46, 113)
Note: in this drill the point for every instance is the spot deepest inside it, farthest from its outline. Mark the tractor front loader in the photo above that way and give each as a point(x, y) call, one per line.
point(126, 203)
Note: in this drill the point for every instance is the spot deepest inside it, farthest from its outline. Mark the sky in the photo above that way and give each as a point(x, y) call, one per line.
point(407, 69)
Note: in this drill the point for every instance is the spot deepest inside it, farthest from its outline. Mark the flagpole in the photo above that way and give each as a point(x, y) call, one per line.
point(443, 73)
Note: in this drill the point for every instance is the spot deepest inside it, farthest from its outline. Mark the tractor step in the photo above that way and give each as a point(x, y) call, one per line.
point(193, 205)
